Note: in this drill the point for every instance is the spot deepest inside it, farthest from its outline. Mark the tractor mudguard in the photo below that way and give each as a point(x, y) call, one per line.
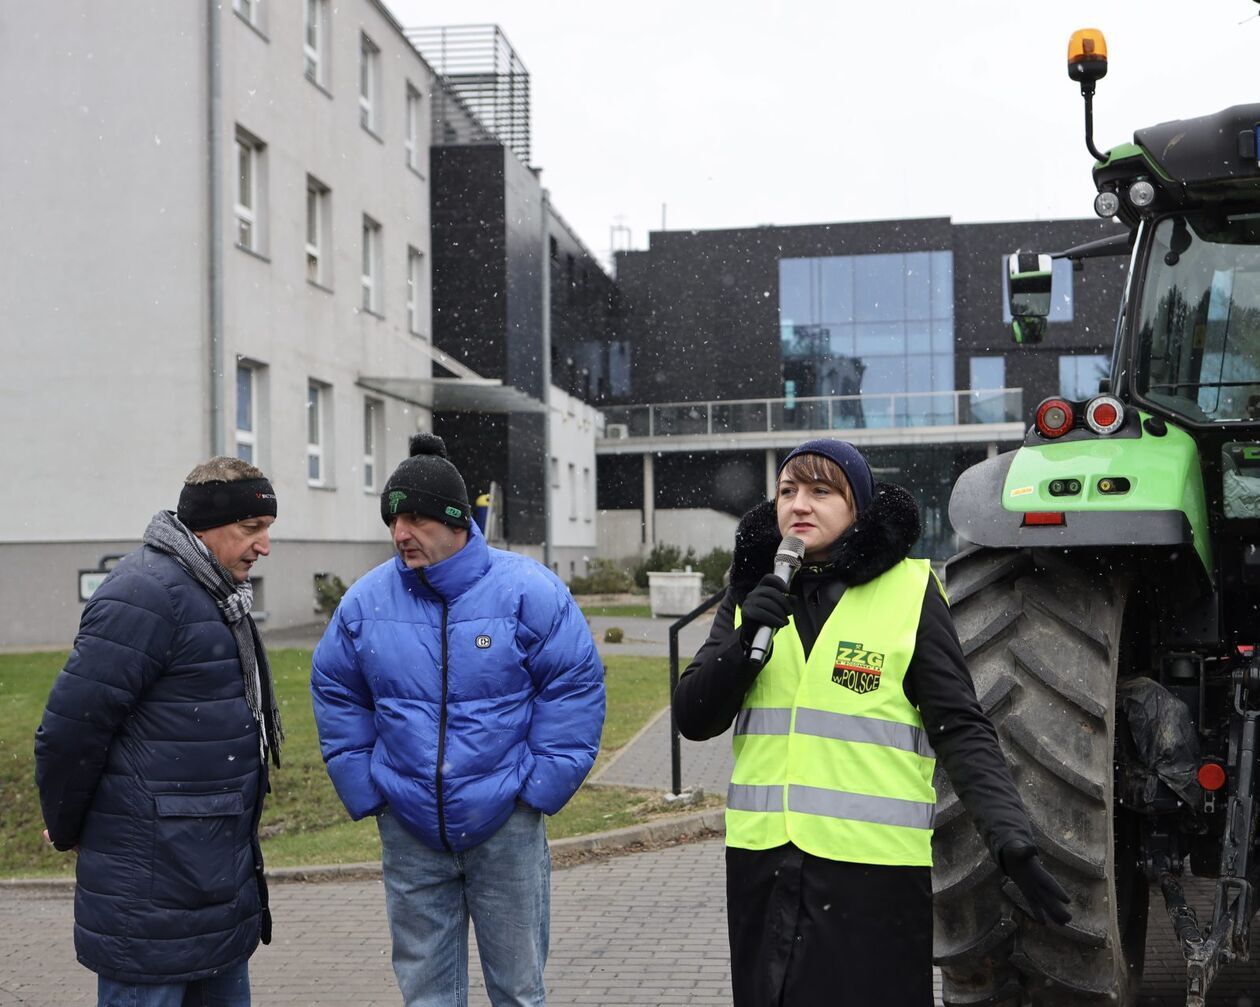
point(1132, 491)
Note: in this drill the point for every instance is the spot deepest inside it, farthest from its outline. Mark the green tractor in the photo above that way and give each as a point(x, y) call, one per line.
point(1109, 604)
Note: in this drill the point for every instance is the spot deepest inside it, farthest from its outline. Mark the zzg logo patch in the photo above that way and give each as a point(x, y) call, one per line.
point(857, 668)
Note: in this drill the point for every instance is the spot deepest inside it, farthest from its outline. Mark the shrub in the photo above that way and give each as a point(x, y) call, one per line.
point(603, 577)
point(714, 566)
point(663, 557)
point(329, 589)
point(613, 634)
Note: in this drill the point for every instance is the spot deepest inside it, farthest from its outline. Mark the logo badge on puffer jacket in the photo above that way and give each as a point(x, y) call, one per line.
point(483, 642)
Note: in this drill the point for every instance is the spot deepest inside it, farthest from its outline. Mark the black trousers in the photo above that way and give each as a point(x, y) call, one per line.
point(810, 932)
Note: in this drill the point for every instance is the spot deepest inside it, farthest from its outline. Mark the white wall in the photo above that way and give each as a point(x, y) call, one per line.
point(702, 529)
point(573, 520)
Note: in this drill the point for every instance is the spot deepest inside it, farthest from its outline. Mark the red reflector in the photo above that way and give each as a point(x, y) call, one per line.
point(1054, 417)
point(1044, 517)
point(1211, 776)
point(1105, 414)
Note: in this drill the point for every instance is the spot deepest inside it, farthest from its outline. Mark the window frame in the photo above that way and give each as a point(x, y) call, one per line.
point(316, 450)
point(411, 128)
point(415, 284)
point(369, 84)
point(370, 279)
point(250, 216)
point(373, 414)
point(247, 437)
point(313, 55)
point(322, 217)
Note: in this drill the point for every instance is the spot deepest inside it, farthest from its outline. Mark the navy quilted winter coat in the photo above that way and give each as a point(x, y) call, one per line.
point(446, 694)
point(147, 759)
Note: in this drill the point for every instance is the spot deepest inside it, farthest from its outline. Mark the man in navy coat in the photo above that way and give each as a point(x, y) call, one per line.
point(151, 758)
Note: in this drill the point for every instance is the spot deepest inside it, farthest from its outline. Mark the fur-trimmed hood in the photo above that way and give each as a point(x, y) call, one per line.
point(878, 540)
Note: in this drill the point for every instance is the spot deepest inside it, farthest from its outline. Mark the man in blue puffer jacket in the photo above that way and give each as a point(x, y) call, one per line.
point(151, 755)
point(459, 697)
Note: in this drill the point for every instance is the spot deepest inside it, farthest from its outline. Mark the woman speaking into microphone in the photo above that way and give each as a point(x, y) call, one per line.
point(838, 726)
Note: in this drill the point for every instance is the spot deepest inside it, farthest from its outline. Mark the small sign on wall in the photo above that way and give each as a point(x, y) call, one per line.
point(90, 580)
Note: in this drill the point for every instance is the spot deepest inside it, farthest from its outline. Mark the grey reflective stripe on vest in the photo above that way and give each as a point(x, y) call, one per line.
point(746, 797)
point(860, 807)
point(844, 727)
point(769, 720)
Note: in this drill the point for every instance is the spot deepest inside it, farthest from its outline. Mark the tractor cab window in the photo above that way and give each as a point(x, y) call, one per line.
point(1199, 321)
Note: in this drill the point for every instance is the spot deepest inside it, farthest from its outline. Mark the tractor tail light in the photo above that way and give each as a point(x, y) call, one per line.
point(1051, 518)
point(1054, 418)
point(1211, 776)
point(1104, 414)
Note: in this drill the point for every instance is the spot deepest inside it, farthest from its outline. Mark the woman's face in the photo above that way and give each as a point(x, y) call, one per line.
point(816, 513)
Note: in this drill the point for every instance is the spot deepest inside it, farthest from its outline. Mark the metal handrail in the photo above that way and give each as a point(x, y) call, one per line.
point(675, 739)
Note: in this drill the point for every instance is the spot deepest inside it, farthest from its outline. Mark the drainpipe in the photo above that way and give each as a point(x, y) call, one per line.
point(546, 380)
point(215, 265)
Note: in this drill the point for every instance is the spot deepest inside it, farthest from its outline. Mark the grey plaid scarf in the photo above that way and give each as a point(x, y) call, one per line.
point(168, 534)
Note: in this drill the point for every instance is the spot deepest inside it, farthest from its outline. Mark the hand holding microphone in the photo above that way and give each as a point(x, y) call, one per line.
point(766, 608)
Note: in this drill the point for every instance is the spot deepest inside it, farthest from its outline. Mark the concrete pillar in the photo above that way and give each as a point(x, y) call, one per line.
point(992, 451)
point(771, 465)
point(649, 500)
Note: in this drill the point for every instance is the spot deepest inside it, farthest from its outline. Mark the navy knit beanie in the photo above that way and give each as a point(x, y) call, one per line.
point(851, 462)
point(427, 484)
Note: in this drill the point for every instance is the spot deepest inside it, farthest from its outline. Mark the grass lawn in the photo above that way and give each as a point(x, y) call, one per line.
point(628, 611)
point(303, 821)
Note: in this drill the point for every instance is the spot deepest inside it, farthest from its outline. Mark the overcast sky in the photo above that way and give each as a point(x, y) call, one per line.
point(732, 115)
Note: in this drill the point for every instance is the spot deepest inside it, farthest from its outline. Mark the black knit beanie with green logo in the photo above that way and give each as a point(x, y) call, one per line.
point(427, 484)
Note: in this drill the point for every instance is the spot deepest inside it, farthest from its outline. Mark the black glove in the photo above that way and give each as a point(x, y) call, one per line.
point(1045, 897)
point(766, 605)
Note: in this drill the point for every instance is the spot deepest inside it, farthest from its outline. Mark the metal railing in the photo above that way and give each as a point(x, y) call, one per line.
point(833, 412)
point(675, 741)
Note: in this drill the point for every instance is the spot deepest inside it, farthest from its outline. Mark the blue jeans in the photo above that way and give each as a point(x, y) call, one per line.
point(229, 988)
point(504, 885)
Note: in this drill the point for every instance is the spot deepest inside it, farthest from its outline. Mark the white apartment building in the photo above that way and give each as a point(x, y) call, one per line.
point(215, 228)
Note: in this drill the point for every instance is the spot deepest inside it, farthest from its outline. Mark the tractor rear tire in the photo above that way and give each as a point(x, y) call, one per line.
point(1042, 639)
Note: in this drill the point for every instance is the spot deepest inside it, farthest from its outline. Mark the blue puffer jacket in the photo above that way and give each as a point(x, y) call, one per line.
point(448, 693)
point(147, 759)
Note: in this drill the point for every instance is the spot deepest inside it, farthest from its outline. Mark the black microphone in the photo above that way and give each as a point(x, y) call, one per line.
point(786, 562)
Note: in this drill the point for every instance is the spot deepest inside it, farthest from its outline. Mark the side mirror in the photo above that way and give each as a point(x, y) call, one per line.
point(1028, 292)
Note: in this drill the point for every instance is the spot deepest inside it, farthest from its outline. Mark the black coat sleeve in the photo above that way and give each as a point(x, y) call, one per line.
point(122, 646)
point(939, 684)
point(712, 688)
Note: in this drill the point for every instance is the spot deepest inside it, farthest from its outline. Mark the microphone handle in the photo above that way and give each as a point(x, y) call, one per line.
point(760, 648)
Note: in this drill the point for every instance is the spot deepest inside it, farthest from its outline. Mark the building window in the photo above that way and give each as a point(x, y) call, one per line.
point(1079, 375)
point(317, 426)
point(1060, 291)
point(315, 30)
point(867, 340)
point(318, 217)
point(415, 285)
point(372, 414)
point(588, 498)
point(573, 492)
point(555, 473)
point(371, 266)
point(250, 191)
point(369, 84)
point(246, 414)
point(988, 378)
point(411, 142)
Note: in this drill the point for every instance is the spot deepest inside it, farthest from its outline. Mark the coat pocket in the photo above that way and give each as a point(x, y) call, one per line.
point(195, 848)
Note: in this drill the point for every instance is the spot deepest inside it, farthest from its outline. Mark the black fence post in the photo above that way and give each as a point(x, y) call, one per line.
point(675, 741)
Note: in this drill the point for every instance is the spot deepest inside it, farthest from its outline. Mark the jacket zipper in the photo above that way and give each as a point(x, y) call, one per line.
point(441, 749)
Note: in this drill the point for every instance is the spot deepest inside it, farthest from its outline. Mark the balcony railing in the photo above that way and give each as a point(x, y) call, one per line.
point(834, 412)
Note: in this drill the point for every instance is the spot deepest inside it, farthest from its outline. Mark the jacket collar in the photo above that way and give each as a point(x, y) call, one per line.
point(453, 576)
point(878, 540)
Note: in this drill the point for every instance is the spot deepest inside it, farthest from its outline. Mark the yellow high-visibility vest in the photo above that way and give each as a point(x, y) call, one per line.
point(829, 753)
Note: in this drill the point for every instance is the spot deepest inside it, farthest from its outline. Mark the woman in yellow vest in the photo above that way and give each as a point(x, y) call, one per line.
point(829, 811)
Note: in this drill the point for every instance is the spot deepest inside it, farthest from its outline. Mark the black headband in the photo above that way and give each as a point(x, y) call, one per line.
point(209, 505)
